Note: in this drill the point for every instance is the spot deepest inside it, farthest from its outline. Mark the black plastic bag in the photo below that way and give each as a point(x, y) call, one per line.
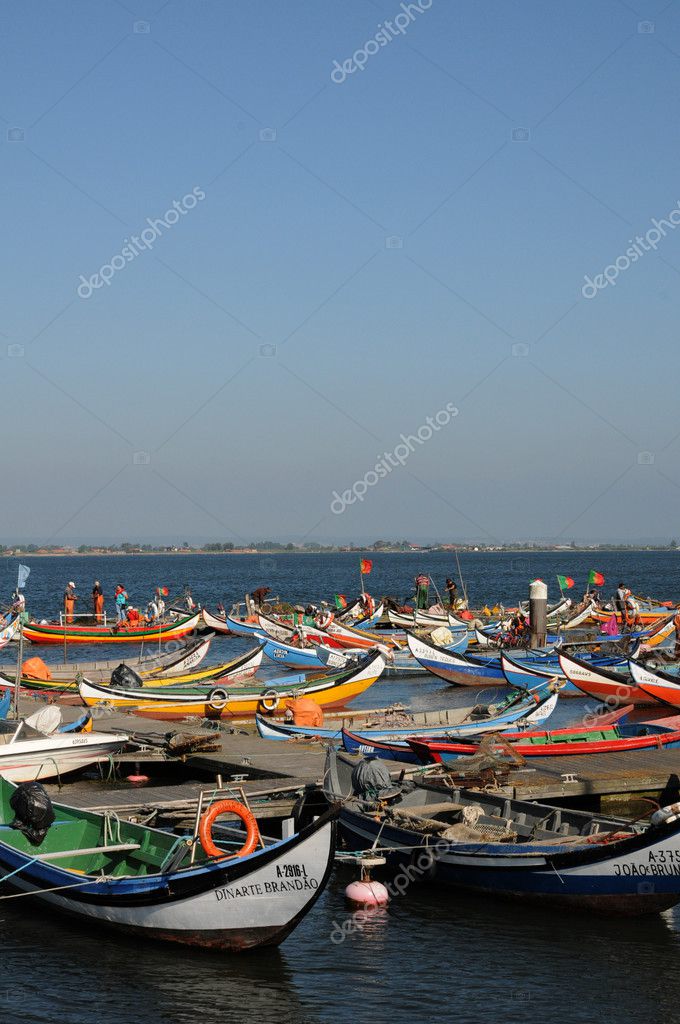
point(33, 811)
point(125, 678)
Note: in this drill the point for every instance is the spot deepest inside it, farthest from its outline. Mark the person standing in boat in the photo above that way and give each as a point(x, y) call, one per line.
point(422, 589)
point(620, 602)
point(70, 598)
point(152, 611)
point(121, 602)
point(631, 612)
point(519, 631)
point(98, 602)
point(259, 595)
point(453, 593)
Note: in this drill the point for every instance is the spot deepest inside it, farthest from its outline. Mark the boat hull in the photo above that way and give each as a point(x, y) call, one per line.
point(216, 675)
point(327, 691)
point(216, 623)
point(603, 685)
point(648, 616)
point(455, 668)
point(656, 685)
point(58, 635)
point(26, 761)
point(637, 876)
point(231, 906)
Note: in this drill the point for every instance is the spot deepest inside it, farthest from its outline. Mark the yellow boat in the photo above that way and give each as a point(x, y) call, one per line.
point(167, 704)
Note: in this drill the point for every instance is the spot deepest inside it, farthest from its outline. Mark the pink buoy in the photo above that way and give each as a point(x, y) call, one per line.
point(367, 894)
point(137, 780)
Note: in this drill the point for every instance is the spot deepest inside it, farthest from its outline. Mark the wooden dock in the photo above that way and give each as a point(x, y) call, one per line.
point(276, 773)
point(653, 772)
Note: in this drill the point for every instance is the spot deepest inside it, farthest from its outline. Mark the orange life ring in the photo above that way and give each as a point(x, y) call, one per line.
point(246, 816)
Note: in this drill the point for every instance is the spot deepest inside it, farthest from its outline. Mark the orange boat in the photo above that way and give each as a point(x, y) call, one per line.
point(119, 633)
point(646, 615)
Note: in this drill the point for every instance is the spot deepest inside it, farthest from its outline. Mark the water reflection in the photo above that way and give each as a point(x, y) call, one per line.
point(63, 970)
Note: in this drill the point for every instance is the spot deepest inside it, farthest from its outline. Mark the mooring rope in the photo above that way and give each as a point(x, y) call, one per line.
point(58, 888)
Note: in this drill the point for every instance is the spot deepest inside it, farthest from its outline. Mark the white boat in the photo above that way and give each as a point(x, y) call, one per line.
point(579, 617)
point(27, 754)
point(217, 623)
point(417, 618)
point(173, 662)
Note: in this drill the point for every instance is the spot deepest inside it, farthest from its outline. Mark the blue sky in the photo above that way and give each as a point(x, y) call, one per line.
point(367, 251)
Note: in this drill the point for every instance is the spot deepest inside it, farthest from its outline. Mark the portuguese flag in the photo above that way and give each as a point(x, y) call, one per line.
point(565, 582)
point(365, 566)
point(595, 579)
point(340, 600)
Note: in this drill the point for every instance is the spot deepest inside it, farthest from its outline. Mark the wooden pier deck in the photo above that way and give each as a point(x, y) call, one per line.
point(284, 770)
point(652, 772)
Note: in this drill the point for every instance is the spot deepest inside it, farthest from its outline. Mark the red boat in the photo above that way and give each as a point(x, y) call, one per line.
point(603, 684)
point(614, 738)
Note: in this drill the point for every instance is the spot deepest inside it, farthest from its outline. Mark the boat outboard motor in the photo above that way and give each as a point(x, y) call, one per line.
point(125, 678)
point(371, 780)
point(33, 811)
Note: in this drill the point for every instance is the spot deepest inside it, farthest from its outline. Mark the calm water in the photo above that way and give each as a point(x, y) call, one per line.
point(489, 577)
point(435, 952)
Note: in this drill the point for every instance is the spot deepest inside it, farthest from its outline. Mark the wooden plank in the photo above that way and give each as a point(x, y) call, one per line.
point(597, 774)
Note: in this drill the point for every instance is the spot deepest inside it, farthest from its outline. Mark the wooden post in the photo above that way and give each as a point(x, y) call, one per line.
point(538, 612)
point(20, 661)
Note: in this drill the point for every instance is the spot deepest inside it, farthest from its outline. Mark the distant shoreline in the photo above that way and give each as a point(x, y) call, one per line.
point(342, 551)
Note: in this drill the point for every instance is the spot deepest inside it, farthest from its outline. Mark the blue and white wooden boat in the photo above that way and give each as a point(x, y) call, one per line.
point(289, 656)
point(527, 673)
point(460, 669)
point(517, 707)
point(368, 621)
point(397, 662)
point(487, 843)
point(9, 630)
point(476, 670)
point(394, 745)
point(241, 628)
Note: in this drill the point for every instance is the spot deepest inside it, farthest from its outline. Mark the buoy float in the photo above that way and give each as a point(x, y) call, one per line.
point(137, 780)
point(366, 893)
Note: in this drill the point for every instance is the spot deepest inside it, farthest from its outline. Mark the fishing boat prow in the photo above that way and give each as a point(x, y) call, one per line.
point(154, 884)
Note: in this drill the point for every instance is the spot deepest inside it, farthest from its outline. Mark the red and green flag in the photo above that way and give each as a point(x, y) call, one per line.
point(340, 600)
point(365, 566)
point(565, 582)
point(595, 579)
